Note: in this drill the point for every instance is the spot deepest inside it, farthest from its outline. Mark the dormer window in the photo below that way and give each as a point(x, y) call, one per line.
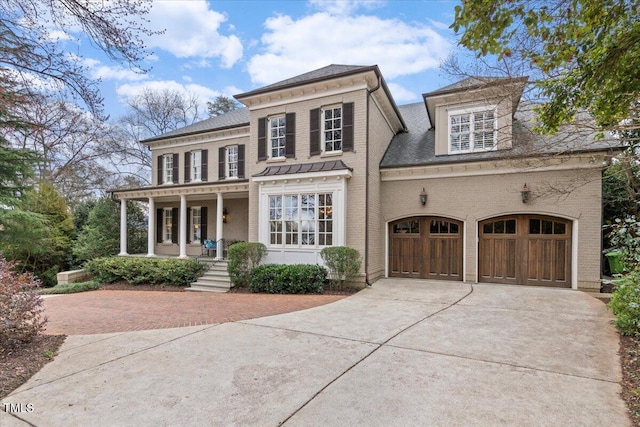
point(472, 130)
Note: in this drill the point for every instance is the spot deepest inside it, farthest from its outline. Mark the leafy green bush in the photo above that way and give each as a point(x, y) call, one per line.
point(288, 279)
point(244, 257)
point(21, 317)
point(343, 263)
point(154, 271)
point(71, 288)
point(625, 303)
point(625, 235)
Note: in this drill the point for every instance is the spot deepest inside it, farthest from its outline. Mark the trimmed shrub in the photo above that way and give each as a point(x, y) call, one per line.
point(153, 271)
point(625, 303)
point(71, 288)
point(343, 263)
point(21, 317)
point(244, 257)
point(288, 279)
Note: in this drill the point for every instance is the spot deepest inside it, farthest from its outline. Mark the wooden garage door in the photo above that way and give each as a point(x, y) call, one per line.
point(426, 248)
point(526, 250)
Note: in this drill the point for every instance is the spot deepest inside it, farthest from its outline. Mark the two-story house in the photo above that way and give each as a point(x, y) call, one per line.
point(456, 187)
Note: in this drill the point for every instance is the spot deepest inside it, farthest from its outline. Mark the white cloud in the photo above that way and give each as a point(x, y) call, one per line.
point(401, 94)
point(192, 30)
point(98, 70)
point(297, 46)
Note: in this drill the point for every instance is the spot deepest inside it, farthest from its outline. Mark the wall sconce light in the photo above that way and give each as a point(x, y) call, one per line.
point(225, 213)
point(423, 197)
point(525, 192)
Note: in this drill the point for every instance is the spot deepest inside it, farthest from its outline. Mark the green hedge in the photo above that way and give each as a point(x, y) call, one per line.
point(71, 288)
point(153, 271)
point(243, 257)
point(625, 303)
point(343, 263)
point(288, 279)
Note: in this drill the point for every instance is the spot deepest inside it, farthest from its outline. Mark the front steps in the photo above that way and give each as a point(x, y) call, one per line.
point(216, 279)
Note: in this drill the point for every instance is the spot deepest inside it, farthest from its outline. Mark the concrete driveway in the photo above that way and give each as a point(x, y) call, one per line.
point(402, 353)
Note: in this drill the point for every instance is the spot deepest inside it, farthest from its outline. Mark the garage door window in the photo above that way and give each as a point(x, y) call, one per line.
point(542, 226)
point(443, 227)
point(500, 227)
point(407, 227)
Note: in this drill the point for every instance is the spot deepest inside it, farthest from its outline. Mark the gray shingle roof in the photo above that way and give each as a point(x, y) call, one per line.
point(333, 165)
point(417, 146)
point(239, 117)
point(474, 82)
point(324, 73)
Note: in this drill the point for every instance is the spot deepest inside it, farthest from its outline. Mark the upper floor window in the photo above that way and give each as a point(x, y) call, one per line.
point(277, 137)
point(473, 130)
point(196, 165)
point(167, 161)
point(332, 129)
point(232, 161)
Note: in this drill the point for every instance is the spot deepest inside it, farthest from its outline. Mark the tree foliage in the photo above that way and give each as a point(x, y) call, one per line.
point(222, 104)
point(586, 51)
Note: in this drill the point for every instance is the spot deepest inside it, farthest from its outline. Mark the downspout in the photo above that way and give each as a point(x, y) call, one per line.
point(366, 190)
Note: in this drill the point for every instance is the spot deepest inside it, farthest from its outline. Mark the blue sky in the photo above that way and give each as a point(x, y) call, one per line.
point(212, 48)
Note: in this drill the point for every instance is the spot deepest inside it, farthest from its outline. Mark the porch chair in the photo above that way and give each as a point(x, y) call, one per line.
point(208, 246)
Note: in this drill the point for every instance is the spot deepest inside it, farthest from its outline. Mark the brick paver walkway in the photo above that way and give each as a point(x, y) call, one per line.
point(105, 311)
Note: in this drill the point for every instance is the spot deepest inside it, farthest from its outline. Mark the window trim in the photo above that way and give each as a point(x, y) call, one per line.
point(166, 229)
point(227, 163)
point(323, 142)
point(283, 146)
point(195, 167)
point(194, 225)
point(471, 111)
point(167, 168)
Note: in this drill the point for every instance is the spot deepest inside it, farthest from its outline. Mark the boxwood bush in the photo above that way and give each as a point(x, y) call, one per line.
point(625, 303)
point(243, 257)
point(343, 263)
point(288, 279)
point(152, 271)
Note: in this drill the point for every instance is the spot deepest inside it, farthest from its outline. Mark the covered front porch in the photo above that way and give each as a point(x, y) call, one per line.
point(182, 218)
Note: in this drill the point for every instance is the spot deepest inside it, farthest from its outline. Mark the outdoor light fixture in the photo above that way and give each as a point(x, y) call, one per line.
point(525, 192)
point(224, 215)
point(423, 197)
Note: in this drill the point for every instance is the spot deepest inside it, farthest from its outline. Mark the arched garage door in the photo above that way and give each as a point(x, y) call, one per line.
point(426, 248)
point(526, 250)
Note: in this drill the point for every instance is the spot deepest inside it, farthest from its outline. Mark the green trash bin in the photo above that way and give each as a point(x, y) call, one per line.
point(615, 262)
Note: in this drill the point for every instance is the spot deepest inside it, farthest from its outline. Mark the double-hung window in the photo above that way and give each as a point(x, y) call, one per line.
point(196, 165)
point(232, 161)
point(196, 224)
point(332, 129)
point(167, 225)
point(167, 168)
point(472, 130)
point(277, 137)
point(301, 219)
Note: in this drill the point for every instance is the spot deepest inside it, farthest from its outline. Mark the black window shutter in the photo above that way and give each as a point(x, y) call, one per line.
point(187, 166)
point(188, 225)
point(175, 225)
point(262, 138)
point(204, 165)
point(222, 151)
point(160, 164)
point(203, 224)
point(176, 167)
point(314, 137)
point(159, 225)
point(241, 161)
point(347, 126)
point(290, 135)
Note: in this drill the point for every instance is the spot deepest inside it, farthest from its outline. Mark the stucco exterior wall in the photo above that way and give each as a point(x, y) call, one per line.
point(571, 194)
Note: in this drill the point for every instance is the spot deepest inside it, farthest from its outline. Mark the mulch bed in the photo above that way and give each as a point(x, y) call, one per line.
point(630, 360)
point(20, 364)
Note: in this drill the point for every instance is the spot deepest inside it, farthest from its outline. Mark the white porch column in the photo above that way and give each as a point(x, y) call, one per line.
point(183, 226)
point(151, 231)
point(123, 227)
point(220, 243)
